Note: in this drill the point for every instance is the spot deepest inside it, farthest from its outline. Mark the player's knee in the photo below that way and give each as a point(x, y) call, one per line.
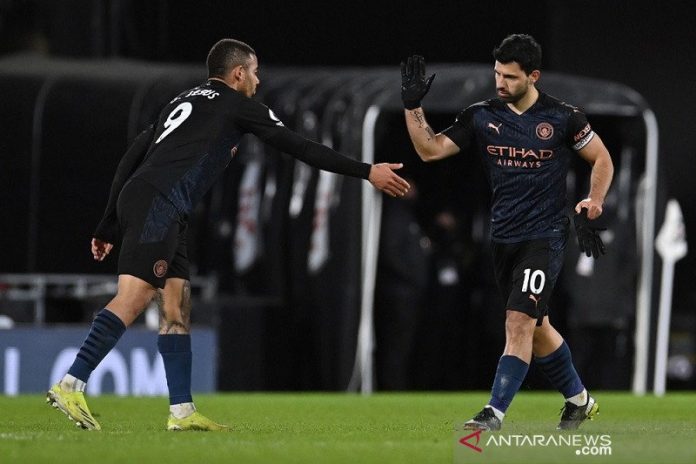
point(129, 307)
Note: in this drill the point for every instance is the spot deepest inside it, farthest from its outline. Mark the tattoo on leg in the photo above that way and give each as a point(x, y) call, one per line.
point(159, 298)
point(186, 304)
point(182, 323)
point(175, 327)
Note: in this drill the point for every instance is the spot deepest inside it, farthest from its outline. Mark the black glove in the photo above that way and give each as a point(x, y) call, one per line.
point(588, 238)
point(414, 85)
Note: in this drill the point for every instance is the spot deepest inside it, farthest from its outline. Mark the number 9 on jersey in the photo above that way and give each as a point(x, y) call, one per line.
point(178, 115)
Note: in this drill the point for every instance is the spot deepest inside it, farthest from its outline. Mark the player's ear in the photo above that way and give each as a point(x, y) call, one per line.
point(238, 73)
point(535, 75)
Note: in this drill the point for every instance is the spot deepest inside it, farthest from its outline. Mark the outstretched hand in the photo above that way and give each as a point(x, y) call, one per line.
point(414, 85)
point(100, 249)
point(383, 177)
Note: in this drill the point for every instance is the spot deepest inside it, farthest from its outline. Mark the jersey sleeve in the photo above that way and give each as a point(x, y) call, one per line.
point(579, 130)
point(107, 229)
point(461, 132)
point(260, 120)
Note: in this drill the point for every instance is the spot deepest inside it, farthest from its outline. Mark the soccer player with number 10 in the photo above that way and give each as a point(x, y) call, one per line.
point(526, 140)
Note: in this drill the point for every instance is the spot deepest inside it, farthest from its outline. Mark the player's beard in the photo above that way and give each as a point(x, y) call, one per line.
point(513, 97)
point(249, 90)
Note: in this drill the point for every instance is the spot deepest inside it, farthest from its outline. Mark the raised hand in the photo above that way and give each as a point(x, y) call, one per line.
point(414, 85)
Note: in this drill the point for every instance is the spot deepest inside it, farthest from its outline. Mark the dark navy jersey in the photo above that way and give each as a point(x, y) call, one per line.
point(198, 132)
point(526, 158)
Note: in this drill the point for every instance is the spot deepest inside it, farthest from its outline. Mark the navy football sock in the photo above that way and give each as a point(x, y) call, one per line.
point(176, 354)
point(558, 368)
point(106, 329)
point(508, 379)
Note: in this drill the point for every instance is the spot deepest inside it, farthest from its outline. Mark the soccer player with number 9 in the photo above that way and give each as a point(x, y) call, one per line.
point(164, 173)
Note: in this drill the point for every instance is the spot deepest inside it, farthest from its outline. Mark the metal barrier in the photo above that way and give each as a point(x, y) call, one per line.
point(38, 287)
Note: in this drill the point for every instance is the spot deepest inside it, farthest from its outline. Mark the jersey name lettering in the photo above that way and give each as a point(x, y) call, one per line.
point(202, 93)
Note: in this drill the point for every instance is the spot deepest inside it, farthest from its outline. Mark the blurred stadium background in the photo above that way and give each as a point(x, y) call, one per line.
point(280, 252)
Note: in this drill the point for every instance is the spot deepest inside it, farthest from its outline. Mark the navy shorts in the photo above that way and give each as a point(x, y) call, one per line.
point(526, 273)
point(154, 235)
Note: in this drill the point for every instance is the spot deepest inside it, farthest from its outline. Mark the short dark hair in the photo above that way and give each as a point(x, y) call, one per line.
point(227, 54)
point(520, 48)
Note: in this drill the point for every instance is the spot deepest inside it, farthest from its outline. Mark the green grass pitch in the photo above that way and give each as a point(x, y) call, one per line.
point(343, 428)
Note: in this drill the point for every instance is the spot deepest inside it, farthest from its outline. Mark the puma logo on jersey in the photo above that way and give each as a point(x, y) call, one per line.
point(535, 299)
point(494, 127)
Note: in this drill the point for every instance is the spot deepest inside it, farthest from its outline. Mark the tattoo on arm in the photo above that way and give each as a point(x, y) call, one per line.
point(420, 119)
